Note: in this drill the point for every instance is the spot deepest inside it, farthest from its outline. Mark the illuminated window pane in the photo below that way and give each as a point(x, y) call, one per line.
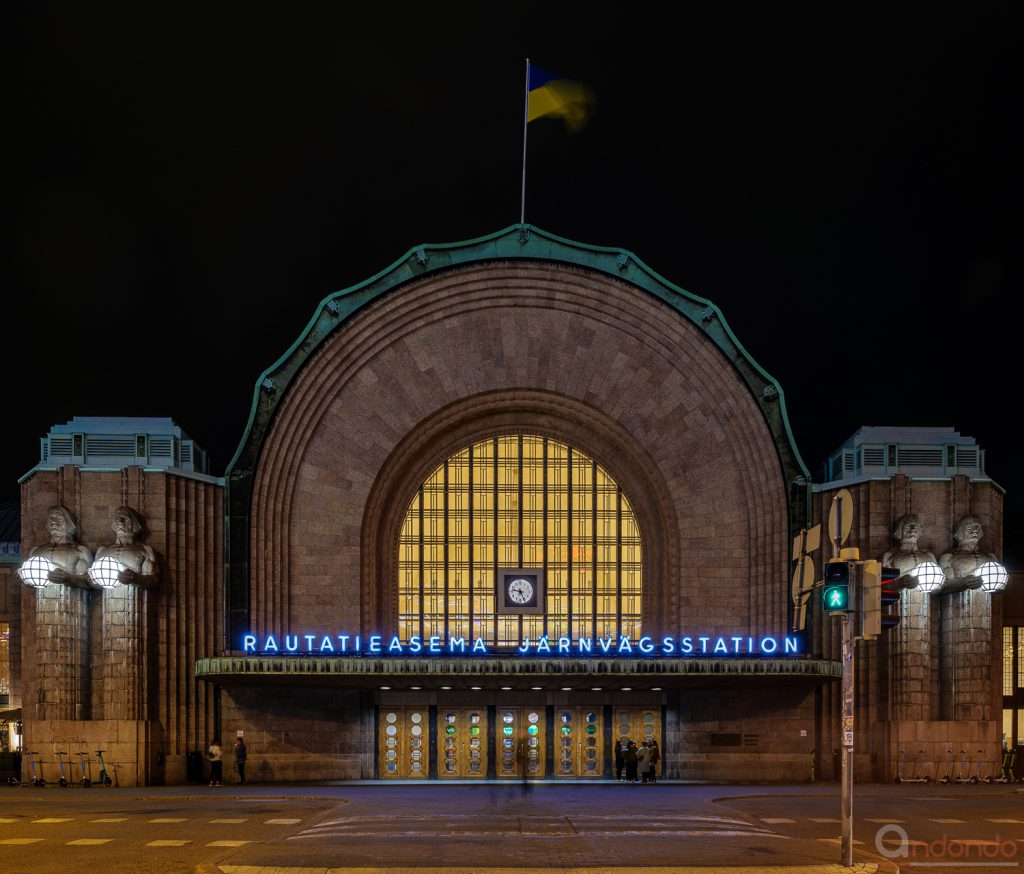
point(1008, 661)
point(519, 501)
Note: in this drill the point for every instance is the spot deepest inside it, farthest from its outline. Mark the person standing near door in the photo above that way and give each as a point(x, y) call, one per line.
point(620, 758)
point(522, 760)
point(655, 758)
point(631, 763)
point(643, 762)
point(216, 757)
point(240, 754)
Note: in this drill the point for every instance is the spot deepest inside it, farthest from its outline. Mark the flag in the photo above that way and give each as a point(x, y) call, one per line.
point(550, 95)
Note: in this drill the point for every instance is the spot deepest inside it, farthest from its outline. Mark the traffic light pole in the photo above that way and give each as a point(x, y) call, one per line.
point(848, 620)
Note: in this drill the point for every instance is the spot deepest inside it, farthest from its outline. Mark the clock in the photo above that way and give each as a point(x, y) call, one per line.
point(520, 590)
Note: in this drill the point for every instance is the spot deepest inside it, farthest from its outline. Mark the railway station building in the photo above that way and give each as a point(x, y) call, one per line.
point(502, 505)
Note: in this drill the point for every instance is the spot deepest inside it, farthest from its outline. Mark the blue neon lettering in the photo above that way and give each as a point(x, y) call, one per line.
point(703, 643)
point(765, 641)
point(458, 643)
point(415, 644)
point(309, 641)
point(343, 641)
point(563, 644)
point(435, 643)
point(479, 645)
point(249, 643)
point(326, 645)
point(645, 647)
point(790, 645)
point(605, 643)
point(375, 646)
point(668, 645)
point(291, 642)
point(624, 644)
point(686, 645)
point(543, 645)
point(524, 647)
point(270, 645)
point(357, 645)
point(395, 645)
point(737, 642)
point(720, 646)
point(585, 644)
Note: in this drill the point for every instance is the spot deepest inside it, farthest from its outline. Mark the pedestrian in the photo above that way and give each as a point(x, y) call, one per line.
point(216, 757)
point(630, 758)
point(655, 758)
point(643, 762)
point(240, 754)
point(620, 758)
point(522, 760)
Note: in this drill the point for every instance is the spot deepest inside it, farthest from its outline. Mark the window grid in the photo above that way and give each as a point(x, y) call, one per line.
point(1008, 660)
point(519, 501)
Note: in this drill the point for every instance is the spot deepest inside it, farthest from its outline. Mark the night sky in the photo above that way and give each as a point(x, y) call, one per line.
point(843, 181)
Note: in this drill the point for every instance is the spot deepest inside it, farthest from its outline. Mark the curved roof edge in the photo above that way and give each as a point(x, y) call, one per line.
point(514, 242)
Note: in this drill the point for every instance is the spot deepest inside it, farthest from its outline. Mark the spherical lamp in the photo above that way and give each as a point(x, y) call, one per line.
point(993, 577)
point(106, 572)
point(929, 577)
point(36, 572)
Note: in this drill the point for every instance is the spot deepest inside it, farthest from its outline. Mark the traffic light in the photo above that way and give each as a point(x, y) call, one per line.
point(836, 593)
point(870, 598)
point(891, 597)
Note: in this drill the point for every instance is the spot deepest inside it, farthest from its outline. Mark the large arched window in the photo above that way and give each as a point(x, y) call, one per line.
point(519, 501)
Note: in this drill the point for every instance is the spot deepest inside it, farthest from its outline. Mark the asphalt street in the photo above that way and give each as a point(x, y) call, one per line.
point(476, 828)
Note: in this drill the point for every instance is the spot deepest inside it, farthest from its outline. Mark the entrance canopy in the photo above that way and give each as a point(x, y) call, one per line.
point(493, 672)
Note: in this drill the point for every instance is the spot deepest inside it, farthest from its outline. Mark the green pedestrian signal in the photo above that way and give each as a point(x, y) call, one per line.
point(836, 595)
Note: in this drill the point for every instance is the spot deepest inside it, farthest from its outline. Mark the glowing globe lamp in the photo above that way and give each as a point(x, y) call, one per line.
point(36, 572)
point(929, 577)
point(993, 577)
point(105, 572)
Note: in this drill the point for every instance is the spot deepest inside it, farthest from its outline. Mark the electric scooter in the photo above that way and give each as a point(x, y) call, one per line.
point(85, 781)
point(104, 776)
point(947, 775)
point(37, 779)
point(976, 776)
point(963, 771)
point(918, 775)
point(62, 781)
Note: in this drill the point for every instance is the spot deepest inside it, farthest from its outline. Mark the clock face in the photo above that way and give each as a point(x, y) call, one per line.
point(520, 590)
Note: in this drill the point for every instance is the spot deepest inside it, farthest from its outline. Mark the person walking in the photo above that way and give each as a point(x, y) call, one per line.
point(643, 762)
point(240, 754)
point(630, 758)
point(655, 758)
point(216, 757)
point(620, 758)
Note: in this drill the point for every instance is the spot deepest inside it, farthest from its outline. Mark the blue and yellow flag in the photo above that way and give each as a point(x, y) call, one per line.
point(549, 95)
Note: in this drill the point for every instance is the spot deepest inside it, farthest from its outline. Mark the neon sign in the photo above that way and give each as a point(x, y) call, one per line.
point(682, 646)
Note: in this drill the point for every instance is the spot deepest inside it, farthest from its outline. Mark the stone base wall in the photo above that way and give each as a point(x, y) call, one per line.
point(936, 738)
point(131, 750)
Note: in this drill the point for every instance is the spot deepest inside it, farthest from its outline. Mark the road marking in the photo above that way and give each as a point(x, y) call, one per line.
point(820, 819)
point(228, 821)
point(837, 840)
point(281, 821)
point(949, 821)
point(88, 842)
point(54, 819)
point(17, 842)
point(1008, 821)
point(886, 821)
point(170, 819)
point(228, 843)
point(777, 820)
point(168, 843)
point(5, 819)
point(110, 819)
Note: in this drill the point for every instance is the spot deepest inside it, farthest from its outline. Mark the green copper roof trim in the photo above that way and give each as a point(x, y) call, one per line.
point(516, 241)
point(523, 242)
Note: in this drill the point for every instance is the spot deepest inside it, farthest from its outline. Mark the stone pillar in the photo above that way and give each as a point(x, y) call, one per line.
point(62, 653)
point(912, 658)
point(971, 639)
point(124, 652)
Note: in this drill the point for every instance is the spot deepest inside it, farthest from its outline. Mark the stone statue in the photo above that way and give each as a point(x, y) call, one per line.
point(965, 559)
point(70, 559)
point(906, 532)
point(139, 567)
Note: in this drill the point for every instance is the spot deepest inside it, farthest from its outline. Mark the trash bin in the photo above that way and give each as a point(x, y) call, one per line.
point(194, 766)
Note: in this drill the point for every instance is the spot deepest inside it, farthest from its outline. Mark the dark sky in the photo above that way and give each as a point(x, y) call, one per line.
point(842, 180)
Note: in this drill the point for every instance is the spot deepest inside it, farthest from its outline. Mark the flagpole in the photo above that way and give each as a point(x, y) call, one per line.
point(526, 115)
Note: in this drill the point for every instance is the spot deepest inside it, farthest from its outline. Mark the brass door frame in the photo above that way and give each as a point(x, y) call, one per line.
point(411, 724)
point(579, 737)
point(462, 738)
point(516, 762)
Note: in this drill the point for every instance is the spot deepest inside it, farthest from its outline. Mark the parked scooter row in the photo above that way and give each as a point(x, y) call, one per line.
point(961, 771)
point(85, 764)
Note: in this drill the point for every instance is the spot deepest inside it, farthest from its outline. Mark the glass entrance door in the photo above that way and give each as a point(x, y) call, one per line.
point(637, 724)
point(462, 742)
point(520, 740)
point(403, 741)
point(579, 742)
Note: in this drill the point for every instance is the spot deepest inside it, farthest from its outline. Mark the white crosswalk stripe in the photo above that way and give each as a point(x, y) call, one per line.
point(88, 842)
point(168, 843)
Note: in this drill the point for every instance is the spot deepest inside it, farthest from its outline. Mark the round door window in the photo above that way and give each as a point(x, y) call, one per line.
point(566, 717)
point(566, 741)
point(449, 729)
point(474, 718)
point(591, 729)
point(532, 729)
point(392, 742)
point(507, 743)
point(507, 718)
point(533, 717)
point(507, 730)
point(415, 742)
point(392, 767)
point(533, 741)
point(391, 729)
point(416, 718)
point(449, 718)
point(416, 730)
point(474, 730)
point(416, 754)
point(392, 755)
point(416, 766)
point(449, 742)
point(391, 717)
point(566, 729)
point(591, 717)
